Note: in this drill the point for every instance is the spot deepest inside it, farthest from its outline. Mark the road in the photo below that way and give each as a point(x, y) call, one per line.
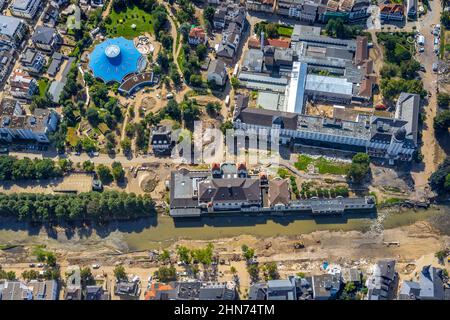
point(431, 150)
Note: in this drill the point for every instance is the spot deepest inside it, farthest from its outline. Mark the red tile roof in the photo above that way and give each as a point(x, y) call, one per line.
point(197, 33)
point(280, 43)
point(391, 8)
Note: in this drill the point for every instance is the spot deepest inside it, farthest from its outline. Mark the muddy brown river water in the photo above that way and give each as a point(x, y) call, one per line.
point(162, 231)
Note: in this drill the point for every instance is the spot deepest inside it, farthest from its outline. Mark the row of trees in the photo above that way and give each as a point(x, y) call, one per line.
point(203, 255)
point(12, 168)
point(392, 87)
point(441, 122)
point(92, 206)
point(338, 29)
point(106, 175)
point(440, 179)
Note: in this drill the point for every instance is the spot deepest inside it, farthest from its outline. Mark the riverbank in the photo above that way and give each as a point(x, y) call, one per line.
point(355, 243)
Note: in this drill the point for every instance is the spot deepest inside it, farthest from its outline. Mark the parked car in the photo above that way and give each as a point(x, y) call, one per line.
point(435, 67)
point(95, 266)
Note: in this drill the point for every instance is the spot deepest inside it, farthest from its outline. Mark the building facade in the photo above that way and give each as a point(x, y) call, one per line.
point(12, 31)
point(16, 125)
point(25, 8)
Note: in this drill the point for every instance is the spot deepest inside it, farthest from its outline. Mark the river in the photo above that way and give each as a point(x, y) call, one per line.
point(162, 231)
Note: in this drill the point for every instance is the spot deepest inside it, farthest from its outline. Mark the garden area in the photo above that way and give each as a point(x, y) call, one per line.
point(273, 30)
point(323, 165)
point(43, 85)
point(400, 71)
point(309, 189)
point(129, 23)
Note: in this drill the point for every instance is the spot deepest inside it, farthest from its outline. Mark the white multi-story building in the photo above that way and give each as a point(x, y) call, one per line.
point(22, 85)
point(12, 31)
point(25, 8)
point(393, 139)
point(15, 124)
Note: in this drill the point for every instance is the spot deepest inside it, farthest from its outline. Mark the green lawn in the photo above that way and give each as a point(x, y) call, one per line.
point(121, 23)
point(324, 165)
point(43, 85)
point(72, 136)
point(285, 31)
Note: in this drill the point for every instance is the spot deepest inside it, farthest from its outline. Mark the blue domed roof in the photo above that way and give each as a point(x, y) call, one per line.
point(113, 59)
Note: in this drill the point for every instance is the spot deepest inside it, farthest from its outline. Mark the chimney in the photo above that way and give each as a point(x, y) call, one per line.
point(262, 40)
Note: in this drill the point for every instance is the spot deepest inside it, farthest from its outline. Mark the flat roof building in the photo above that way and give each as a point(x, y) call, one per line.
point(328, 88)
point(12, 30)
point(295, 91)
point(15, 124)
point(25, 8)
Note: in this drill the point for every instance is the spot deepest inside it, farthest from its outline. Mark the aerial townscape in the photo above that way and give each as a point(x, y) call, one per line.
point(224, 150)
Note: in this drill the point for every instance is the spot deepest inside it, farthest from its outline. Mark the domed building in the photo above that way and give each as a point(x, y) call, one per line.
point(114, 59)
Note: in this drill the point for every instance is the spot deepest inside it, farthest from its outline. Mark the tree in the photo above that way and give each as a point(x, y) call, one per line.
point(349, 287)
point(88, 166)
point(443, 100)
point(166, 274)
point(117, 171)
point(203, 256)
point(208, 13)
point(213, 108)
point(104, 174)
point(41, 256)
point(110, 143)
point(65, 165)
point(271, 270)
point(184, 30)
point(119, 273)
point(163, 62)
point(190, 111)
point(202, 51)
point(235, 82)
point(441, 122)
point(51, 259)
point(359, 168)
point(99, 94)
point(173, 110)
point(227, 125)
point(336, 28)
point(389, 70)
point(196, 80)
point(271, 30)
point(175, 76)
point(247, 252)
point(166, 40)
point(438, 179)
point(160, 20)
point(93, 116)
point(441, 255)
point(253, 271)
point(409, 68)
point(126, 145)
point(86, 276)
point(30, 275)
point(184, 254)
point(164, 256)
point(447, 182)
point(233, 270)
point(445, 19)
